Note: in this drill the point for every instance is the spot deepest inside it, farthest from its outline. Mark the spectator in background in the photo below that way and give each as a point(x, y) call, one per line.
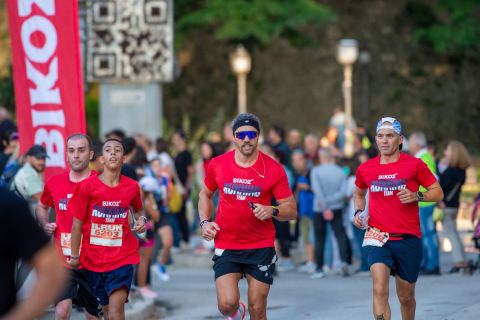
point(304, 196)
point(35, 249)
point(184, 169)
point(276, 138)
point(9, 162)
point(6, 124)
point(28, 181)
point(328, 186)
point(9, 155)
point(163, 229)
point(95, 163)
point(130, 147)
point(311, 145)
point(148, 185)
point(294, 139)
point(451, 181)
point(228, 138)
point(163, 155)
point(431, 250)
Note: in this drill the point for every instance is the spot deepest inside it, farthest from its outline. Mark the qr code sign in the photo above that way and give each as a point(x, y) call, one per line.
point(130, 40)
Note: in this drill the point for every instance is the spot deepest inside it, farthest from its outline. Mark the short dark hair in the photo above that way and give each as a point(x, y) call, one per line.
point(81, 136)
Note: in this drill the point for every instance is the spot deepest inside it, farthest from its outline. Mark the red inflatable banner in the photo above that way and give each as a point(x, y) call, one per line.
point(47, 75)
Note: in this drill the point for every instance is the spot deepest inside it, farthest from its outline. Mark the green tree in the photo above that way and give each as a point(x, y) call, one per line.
point(251, 21)
point(455, 27)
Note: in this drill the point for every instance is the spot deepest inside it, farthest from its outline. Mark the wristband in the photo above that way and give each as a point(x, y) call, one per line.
point(203, 222)
point(357, 212)
point(74, 258)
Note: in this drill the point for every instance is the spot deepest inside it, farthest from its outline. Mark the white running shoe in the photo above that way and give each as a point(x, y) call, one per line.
point(308, 267)
point(146, 292)
point(285, 265)
point(161, 271)
point(317, 275)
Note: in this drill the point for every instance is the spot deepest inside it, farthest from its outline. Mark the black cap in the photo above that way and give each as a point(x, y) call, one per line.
point(246, 119)
point(37, 151)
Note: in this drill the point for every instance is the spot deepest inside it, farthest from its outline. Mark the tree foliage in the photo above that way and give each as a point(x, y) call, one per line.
point(257, 21)
point(455, 27)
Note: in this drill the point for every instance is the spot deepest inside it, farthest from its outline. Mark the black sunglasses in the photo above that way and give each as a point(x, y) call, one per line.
point(243, 134)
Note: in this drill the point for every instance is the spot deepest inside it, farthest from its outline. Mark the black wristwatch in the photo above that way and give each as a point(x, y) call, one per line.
point(420, 196)
point(275, 211)
point(204, 221)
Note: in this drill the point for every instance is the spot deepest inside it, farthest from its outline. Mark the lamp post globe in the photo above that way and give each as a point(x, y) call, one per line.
point(347, 54)
point(241, 63)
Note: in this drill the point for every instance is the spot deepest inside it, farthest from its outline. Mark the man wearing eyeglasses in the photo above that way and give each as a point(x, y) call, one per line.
point(243, 231)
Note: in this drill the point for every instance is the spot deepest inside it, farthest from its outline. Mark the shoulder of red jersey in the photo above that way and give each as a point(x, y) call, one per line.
point(127, 180)
point(225, 156)
point(58, 177)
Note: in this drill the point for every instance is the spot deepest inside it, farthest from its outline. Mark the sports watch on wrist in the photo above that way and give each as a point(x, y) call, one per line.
point(275, 211)
point(420, 196)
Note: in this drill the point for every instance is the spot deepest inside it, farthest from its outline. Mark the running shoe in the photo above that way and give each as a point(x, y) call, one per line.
point(317, 275)
point(308, 267)
point(243, 311)
point(285, 265)
point(146, 292)
point(161, 271)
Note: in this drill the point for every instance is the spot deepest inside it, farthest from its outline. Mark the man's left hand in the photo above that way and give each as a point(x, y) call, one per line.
point(406, 196)
point(262, 212)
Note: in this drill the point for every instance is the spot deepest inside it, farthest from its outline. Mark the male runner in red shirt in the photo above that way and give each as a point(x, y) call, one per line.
point(56, 194)
point(244, 234)
point(102, 206)
point(392, 243)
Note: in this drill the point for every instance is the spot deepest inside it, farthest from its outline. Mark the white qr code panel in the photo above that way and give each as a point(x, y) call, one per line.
point(130, 40)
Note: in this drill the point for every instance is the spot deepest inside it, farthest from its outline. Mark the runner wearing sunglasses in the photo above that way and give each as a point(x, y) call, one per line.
point(243, 231)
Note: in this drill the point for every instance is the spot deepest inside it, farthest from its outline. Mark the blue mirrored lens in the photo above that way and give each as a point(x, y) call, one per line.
point(243, 134)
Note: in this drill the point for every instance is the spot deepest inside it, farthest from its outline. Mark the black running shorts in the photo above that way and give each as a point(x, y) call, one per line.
point(259, 263)
point(79, 290)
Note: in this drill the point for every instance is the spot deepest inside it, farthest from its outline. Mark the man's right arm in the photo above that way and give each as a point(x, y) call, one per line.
point(43, 213)
point(205, 208)
point(359, 202)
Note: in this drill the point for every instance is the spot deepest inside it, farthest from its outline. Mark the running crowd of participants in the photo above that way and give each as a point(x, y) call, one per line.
point(170, 179)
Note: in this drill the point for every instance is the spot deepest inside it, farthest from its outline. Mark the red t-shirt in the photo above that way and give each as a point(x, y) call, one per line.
point(239, 228)
point(384, 181)
point(107, 243)
point(56, 194)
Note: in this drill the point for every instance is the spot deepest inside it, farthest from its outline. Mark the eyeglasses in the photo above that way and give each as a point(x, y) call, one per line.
point(243, 134)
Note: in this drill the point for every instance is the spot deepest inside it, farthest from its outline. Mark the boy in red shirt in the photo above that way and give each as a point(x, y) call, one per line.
point(103, 204)
point(244, 234)
point(56, 194)
point(392, 242)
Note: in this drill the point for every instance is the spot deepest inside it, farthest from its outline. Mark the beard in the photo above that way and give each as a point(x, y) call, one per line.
point(247, 148)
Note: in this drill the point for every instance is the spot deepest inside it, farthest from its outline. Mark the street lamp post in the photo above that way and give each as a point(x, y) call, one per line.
point(241, 62)
point(347, 53)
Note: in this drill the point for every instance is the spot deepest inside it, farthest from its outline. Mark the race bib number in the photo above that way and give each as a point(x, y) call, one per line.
point(66, 243)
point(108, 235)
point(374, 238)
